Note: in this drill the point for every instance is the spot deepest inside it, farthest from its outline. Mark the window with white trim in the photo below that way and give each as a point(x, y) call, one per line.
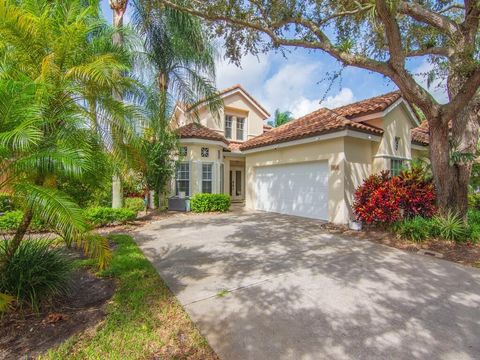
point(182, 178)
point(240, 128)
point(396, 166)
point(205, 152)
point(207, 178)
point(228, 126)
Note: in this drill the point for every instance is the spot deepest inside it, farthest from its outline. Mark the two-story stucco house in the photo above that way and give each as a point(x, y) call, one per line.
point(308, 167)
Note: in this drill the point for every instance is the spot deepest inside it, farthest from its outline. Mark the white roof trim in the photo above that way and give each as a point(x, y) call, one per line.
point(383, 113)
point(202, 142)
point(334, 135)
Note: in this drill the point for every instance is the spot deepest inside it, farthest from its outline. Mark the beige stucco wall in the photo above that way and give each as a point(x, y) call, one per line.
point(329, 150)
point(396, 123)
point(195, 159)
point(358, 166)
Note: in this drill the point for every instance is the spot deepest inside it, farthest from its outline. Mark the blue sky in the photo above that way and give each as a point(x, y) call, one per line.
point(294, 82)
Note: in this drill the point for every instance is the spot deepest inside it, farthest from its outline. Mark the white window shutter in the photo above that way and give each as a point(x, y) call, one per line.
point(199, 176)
point(214, 178)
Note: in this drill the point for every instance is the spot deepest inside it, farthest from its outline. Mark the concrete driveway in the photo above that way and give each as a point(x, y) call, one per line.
point(269, 286)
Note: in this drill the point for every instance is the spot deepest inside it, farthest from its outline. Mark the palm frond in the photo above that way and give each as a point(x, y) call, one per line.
point(54, 208)
point(5, 302)
point(96, 247)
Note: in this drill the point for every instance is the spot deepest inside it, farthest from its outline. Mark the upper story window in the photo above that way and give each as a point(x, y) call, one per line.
point(240, 128)
point(205, 152)
point(183, 151)
point(396, 166)
point(228, 126)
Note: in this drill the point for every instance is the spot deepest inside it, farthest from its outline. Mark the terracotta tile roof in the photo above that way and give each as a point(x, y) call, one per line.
point(318, 122)
point(368, 106)
point(185, 107)
point(267, 127)
point(234, 146)
point(198, 131)
point(420, 134)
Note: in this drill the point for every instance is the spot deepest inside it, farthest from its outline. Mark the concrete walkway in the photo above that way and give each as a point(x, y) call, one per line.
point(268, 286)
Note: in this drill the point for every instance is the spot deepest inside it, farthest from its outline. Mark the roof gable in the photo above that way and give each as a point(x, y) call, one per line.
point(236, 89)
point(377, 107)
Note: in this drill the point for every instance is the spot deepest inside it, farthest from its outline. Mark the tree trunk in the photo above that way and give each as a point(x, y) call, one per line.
point(17, 239)
point(119, 8)
point(117, 192)
point(451, 154)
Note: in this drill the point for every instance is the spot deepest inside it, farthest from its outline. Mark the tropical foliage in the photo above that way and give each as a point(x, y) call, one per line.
point(181, 60)
point(281, 117)
point(36, 272)
point(383, 199)
point(58, 69)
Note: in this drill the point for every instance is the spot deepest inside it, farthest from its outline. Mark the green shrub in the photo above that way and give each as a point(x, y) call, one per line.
point(210, 202)
point(35, 273)
point(10, 221)
point(416, 229)
point(473, 217)
point(474, 233)
point(449, 227)
point(134, 203)
point(6, 203)
point(474, 201)
point(101, 216)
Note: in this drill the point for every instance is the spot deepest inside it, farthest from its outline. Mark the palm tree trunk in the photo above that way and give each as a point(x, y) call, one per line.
point(17, 239)
point(119, 7)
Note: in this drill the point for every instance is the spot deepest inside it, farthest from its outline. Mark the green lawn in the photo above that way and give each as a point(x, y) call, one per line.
point(144, 318)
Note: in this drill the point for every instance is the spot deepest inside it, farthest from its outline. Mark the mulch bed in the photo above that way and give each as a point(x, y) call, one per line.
point(462, 253)
point(27, 335)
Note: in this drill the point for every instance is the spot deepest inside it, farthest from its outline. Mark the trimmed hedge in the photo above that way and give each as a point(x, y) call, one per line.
point(101, 216)
point(134, 203)
point(210, 202)
point(11, 220)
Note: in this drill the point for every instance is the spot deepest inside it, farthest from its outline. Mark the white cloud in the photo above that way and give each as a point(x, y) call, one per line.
point(251, 73)
point(344, 97)
point(437, 88)
point(304, 106)
point(278, 84)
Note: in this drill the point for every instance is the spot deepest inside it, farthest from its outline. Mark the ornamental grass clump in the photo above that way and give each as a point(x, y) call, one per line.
point(417, 229)
point(36, 273)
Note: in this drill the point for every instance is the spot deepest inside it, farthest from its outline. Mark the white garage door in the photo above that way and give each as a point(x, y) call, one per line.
point(296, 189)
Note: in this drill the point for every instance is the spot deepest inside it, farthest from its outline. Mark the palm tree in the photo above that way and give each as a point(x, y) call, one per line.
point(281, 117)
point(56, 76)
point(119, 7)
point(181, 61)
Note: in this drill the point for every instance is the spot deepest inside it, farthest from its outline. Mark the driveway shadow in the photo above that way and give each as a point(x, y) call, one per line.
point(297, 292)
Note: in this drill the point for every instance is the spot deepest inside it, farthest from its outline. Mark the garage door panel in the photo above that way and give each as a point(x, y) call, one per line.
point(294, 189)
